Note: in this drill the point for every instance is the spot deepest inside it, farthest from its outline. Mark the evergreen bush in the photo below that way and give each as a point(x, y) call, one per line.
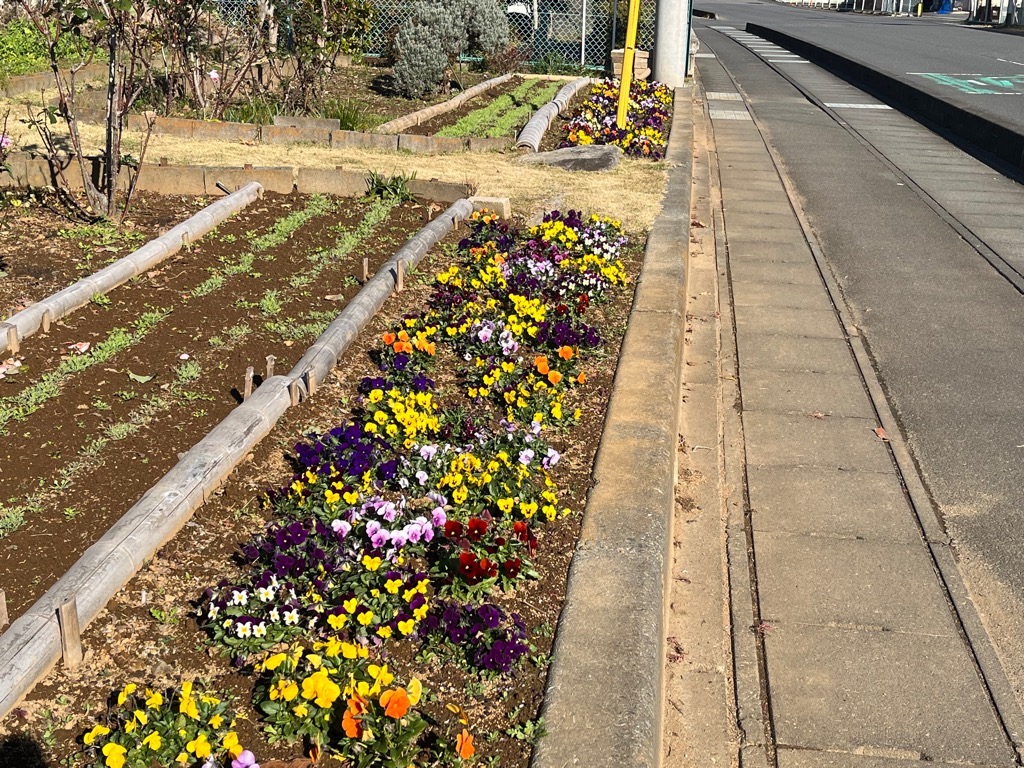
point(437, 33)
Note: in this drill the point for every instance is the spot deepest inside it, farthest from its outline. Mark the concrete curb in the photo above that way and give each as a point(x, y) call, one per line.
point(428, 113)
point(39, 315)
point(32, 644)
point(983, 137)
point(605, 693)
point(533, 132)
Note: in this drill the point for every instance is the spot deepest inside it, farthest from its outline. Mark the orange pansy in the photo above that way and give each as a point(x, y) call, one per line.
point(565, 353)
point(542, 364)
point(389, 338)
point(554, 377)
point(464, 745)
point(395, 703)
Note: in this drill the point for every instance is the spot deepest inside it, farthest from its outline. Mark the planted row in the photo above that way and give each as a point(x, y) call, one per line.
point(403, 528)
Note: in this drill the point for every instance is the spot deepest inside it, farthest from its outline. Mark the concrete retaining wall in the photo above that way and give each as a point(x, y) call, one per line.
point(28, 171)
point(605, 691)
point(533, 133)
point(29, 320)
point(23, 84)
point(308, 131)
point(32, 645)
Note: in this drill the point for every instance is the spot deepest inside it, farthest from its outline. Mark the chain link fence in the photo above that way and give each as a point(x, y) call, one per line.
point(557, 33)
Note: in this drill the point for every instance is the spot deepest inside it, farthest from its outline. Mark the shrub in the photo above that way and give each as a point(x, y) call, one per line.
point(437, 33)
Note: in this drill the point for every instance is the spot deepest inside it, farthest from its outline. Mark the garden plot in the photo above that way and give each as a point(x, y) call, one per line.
point(42, 252)
point(102, 405)
point(548, 337)
point(501, 112)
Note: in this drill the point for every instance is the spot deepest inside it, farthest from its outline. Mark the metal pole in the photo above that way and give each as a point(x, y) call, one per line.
point(615, 23)
point(583, 37)
point(672, 41)
point(627, 62)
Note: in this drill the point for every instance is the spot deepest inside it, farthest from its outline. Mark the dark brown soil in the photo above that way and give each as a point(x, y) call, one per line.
point(41, 254)
point(147, 633)
point(67, 514)
point(555, 134)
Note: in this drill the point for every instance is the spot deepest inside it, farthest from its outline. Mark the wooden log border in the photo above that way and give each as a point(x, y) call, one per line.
point(533, 133)
point(23, 324)
point(31, 646)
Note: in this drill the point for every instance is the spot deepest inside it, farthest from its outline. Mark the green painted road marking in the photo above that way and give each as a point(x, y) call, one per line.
point(979, 85)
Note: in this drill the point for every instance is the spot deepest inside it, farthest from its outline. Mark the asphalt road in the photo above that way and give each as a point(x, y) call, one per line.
point(976, 68)
point(945, 330)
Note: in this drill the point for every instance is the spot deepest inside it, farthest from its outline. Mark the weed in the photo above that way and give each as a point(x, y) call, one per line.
point(121, 430)
point(126, 394)
point(270, 303)
point(238, 332)
point(208, 286)
point(393, 187)
point(167, 617)
point(188, 372)
point(215, 341)
point(530, 731)
point(11, 518)
point(100, 405)
point(70, 513)
point(352, 115)
point(259, 110)
point(100, 300)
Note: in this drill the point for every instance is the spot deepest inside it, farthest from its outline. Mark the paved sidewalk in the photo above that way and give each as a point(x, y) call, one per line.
point(845, 651)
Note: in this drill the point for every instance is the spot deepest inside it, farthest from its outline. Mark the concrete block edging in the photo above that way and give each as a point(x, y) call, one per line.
point(31, 645)
point(605, 690)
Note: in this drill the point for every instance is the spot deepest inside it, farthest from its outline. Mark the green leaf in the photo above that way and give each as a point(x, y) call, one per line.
point(139, 377)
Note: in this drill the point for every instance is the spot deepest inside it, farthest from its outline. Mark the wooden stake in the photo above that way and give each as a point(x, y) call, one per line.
point(293, 391)
point(310, 383)
point(248, 383)
point(270, 365)
point(47, 321)
point(12, 340)
point(4, 618)
point(401, 277)
point(70, 633)
point(366, 269)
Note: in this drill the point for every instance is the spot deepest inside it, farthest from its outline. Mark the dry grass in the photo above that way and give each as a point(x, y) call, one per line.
point(632, 192)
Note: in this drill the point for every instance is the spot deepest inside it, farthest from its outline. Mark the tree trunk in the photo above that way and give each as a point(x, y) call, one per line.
point(112, 151)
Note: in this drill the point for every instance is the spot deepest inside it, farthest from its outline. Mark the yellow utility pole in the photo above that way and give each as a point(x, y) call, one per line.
point(627, 62)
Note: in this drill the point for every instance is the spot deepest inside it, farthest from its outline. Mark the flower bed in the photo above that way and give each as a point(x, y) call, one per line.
point(647, 120)
point(406, 538)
